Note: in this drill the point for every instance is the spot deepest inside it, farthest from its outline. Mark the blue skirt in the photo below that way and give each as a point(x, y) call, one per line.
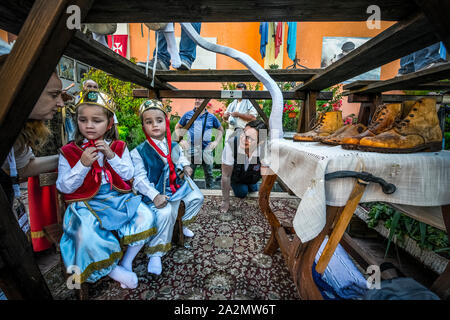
point(88, 246)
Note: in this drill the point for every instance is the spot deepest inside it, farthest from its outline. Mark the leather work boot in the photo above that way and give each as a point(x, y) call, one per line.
point(348, 130)
point(326, 124)
point(418, 131)
point(383, 119)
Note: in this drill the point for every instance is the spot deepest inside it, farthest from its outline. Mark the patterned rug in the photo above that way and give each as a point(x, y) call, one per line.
point(224, 260)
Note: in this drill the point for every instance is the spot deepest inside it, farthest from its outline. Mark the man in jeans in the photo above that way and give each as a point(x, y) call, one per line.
point(188, 51)
point(421, 59)
point(200, 147)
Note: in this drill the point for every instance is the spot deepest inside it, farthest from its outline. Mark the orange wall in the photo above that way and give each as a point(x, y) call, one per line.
point(245, 37)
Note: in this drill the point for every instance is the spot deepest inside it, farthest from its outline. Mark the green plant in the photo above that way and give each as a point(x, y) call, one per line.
point(400, 225)
point(334, 104)
point(127, 107)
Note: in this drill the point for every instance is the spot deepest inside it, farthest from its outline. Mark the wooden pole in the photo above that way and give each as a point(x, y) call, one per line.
point(310, 110)
point(260, 111)
point(39, 45)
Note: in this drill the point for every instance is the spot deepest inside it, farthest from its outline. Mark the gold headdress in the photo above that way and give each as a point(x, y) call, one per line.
point(152, 104)
point(97, 98)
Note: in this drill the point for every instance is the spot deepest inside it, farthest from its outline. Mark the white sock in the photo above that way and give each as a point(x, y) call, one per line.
point(187, 232)
point(130, 254)
point(154, 265)
point(175, 59)
point(126, 278)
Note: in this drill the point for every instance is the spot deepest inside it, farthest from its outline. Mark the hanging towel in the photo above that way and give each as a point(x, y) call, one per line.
point(278, 37)
point(292, 40)
point(264, 32)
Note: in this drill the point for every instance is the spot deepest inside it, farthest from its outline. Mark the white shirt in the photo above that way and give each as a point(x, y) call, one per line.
point(70, 179)
point(141, 182)
point(243, 106)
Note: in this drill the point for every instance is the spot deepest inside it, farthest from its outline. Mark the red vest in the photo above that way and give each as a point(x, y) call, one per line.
point(89, 188)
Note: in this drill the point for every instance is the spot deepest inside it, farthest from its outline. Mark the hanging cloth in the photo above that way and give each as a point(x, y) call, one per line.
point(264, 32)
point(291, 46)
point(278, 37)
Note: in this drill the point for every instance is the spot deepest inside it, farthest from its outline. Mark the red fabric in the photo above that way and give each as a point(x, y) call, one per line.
point(278, 38)
point(96, 169)
point(172, 174)
point(42, 207)
point(120, 44)
point(93, 179)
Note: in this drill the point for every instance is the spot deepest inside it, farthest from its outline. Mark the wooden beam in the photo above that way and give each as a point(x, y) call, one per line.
point(290, 75)
point(240, 11)
point(13, 13)
point(407, 81)
point(260, 111)
point(431, 86)
point(391, 98)
point(404, 37)
point(367, 109)
point(217, 94)
point(310, 110)
point(32, 60)
point(95, 54)
point(437, 13)
point(196, 114)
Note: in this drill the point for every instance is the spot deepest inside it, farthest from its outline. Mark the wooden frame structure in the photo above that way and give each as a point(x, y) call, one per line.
point(43, 37)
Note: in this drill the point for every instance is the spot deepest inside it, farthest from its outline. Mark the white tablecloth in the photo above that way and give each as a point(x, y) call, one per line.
point(422, 179)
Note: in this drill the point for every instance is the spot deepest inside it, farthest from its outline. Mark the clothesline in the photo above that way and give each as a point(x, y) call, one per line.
point(272, 35)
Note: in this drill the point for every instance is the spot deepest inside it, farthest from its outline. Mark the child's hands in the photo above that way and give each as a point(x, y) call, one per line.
point(104, 147)
point(89, 156)
point(160, 201)
point(187, 170)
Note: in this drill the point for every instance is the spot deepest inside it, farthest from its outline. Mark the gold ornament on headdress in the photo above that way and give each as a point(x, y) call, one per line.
point(152, 104)
point(96, 98)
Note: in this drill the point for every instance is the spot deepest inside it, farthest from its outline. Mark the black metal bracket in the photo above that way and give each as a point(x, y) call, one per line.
point(363, 177)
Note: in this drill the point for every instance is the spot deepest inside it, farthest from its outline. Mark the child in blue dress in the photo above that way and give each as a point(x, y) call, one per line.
point(102, 214)
point(162, 176)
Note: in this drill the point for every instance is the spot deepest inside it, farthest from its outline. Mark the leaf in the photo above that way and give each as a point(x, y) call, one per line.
point(394, 225)
point(423, 233)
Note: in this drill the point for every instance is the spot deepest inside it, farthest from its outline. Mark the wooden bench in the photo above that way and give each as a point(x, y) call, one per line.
point(54, 232)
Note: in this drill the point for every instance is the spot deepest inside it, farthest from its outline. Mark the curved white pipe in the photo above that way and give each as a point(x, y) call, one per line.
point(275, 120)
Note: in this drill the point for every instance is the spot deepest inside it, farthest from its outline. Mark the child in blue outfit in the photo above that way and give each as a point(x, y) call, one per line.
point(93, 173)
point(162, 176)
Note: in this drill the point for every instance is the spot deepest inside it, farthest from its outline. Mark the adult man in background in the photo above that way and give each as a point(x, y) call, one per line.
point(239, 113)
point(200, 148)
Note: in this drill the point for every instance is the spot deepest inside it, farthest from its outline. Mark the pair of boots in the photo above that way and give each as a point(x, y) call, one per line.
point(400, 128)
point(329, 129)
point(395, 128)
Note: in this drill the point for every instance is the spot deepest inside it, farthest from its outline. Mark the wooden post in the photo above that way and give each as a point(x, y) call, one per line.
point(301, 115)
point(367, 109)
point(40, 44)
point(260, 111)
point(194, 117)
point(310, 110)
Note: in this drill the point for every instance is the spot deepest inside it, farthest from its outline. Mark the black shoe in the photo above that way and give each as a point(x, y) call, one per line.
point(184, 65)
point(160, 66)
